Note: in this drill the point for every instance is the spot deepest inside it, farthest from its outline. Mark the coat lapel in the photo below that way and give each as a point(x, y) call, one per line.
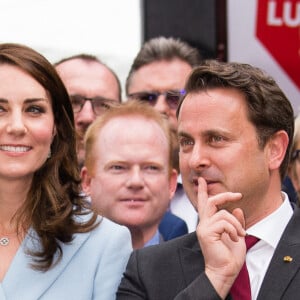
point(23, 282)
point(285, 262)
point(282, 269)
point(191, 260)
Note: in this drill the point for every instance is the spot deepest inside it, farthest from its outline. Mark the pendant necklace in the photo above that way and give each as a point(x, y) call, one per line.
point(4, 241)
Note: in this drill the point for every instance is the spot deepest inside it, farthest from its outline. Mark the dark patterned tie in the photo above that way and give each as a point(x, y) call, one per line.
point(240, 289)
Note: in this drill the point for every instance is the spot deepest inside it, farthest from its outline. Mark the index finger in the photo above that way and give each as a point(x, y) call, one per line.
point(203, 198)
point(210, 205)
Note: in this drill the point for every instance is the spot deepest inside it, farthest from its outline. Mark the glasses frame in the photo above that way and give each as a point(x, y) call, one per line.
point(155, 94)
point(105, 103)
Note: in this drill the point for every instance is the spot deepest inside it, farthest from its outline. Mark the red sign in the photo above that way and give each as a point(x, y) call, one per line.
point(278, 29)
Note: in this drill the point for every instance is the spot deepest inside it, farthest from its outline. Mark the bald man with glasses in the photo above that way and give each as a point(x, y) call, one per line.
point(92, 86)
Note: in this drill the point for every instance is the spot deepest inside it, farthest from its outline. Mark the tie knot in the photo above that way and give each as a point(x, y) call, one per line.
point(250, 241)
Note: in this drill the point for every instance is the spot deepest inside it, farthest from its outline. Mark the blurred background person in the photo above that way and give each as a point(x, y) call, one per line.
point(162, 65)
point(291, 183)
point(92, 87)
point(157, 76)
point(47, 229)
point(128, 171)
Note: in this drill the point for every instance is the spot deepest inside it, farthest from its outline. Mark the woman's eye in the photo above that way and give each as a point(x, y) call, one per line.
point(35, 109)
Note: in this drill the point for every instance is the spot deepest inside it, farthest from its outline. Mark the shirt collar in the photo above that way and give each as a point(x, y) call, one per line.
point(154, 240)
point(270, 229)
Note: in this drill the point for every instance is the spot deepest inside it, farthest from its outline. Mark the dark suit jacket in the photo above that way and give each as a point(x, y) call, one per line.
point(175, 270)
point(172, 226)
point(287, 186)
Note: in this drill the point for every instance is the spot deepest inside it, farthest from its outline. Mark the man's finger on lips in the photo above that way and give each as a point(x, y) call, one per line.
point(202, 194)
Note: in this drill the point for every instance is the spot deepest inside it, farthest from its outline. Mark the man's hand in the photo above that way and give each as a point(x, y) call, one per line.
point(221, 237)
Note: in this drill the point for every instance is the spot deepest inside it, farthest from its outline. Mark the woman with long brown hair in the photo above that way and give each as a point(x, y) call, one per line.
point(52, 246)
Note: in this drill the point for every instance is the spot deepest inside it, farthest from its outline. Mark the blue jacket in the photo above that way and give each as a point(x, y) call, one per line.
point(91, 267)
point(172, 226)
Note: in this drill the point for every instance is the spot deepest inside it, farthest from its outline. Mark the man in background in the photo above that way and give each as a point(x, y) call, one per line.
point(128, 171)
point(92, 86)
point(157, 77)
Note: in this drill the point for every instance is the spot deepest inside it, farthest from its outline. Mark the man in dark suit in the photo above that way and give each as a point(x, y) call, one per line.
point(235, 129)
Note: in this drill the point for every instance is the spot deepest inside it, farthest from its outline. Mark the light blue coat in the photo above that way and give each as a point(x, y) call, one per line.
point(91, 268)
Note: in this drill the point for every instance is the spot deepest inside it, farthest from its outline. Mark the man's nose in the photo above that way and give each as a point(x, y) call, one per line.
point(86, 116)
point(199, 158)
point(161, 105)
point(135, 178)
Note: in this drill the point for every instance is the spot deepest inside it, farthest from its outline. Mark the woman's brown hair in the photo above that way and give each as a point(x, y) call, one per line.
point(54, 203)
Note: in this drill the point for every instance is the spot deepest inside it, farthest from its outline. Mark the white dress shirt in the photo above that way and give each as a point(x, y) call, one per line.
point(269, 231)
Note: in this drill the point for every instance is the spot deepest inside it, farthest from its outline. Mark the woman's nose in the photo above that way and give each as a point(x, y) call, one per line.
point(16, 124)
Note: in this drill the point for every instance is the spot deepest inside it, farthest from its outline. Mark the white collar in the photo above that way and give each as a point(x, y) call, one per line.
point(270, 229)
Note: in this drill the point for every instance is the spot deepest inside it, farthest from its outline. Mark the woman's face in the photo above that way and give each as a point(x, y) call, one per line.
point(26, 124)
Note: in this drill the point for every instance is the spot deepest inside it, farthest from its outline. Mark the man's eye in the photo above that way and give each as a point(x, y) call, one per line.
point(216, 139)
point(117, 167)
point(186, 142)
point(152, 168)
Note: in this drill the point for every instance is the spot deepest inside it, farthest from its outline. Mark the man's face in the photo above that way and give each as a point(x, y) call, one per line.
point(161, 76)
point(87, 79)
point(130, 183)
point(218, 143)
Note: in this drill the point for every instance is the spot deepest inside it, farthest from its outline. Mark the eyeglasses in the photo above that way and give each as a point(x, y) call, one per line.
point(99, 104)
point(172, 97)
point(296, 155)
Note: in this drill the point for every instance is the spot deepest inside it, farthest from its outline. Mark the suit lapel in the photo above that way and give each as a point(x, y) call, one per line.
point(191, 260)
point(284, 265)
point(22, 282)
point(285, 262)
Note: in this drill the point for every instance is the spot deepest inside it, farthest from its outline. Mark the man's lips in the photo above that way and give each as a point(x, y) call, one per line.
point(209, 182)
point(195, 181)
point(132, 200)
